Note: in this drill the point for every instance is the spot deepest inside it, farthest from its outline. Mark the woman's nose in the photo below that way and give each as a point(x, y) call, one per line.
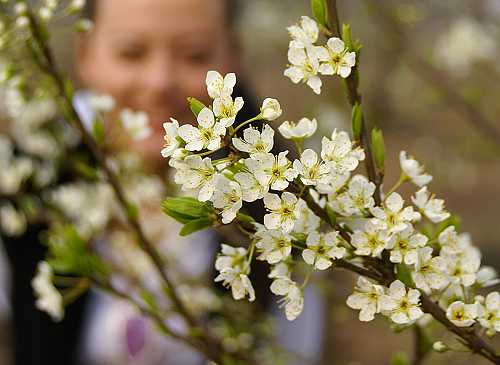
point(160, 76)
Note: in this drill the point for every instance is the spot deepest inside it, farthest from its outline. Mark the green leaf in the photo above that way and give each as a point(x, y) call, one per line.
point(319, 10)
point(400, 358)
point(195, 226)
point(132, 211)
point(378, 148)
point(98, 131)
point(195, 105)
point(186, 209)
point(332, 216)
point(357, 121)
point(403, 273)
point(244, 218)
point(453, 220)
point(346, 36)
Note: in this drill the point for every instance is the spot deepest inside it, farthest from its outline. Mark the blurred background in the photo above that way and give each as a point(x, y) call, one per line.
point(430, 78)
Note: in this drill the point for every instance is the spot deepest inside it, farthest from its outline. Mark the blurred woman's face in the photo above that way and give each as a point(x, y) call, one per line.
point(151, 54)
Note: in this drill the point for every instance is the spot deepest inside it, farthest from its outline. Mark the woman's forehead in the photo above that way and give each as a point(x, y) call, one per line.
point(159, 15)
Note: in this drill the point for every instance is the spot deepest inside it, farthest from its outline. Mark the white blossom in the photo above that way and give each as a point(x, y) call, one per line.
point(172, 141)
point(489, 313)
point(251, 189)
point(227, 196)
point(254, 141)
point(462, 265)
point(370, 241)
point(413, 170)
point(12, 222)
point(307, 221)
point(270, 109)
point(487, 276)
point(338, 152)
point(357, 199)
point(402, 306)
point(304, 34)
point(48, 297)
point(136, 123)
point(270, 170)
point(337, 60)
point(233, 268)
point(304, 67)
point(293, 300)
point(305, 128)
point(404, 246)
point(101, 103)
point(206, 136)
point(322, 249)
point(461, 314)
point(283, 211)
point(274, 245)
point(218, 86)
point(195, 173)
point(281, 269)
point(431, 207)
point(226, 109)
point(430, 272)
point(311, 170)
point(393, 215)
point(366, 298)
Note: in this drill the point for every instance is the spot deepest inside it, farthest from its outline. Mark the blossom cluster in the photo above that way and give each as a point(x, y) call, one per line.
point(308, 60)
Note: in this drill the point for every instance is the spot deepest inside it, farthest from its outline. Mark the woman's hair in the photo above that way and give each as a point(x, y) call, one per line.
point(232, 11)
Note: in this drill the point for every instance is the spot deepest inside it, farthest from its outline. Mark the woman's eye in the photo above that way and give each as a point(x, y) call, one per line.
point(131, 55)
point(197, 57)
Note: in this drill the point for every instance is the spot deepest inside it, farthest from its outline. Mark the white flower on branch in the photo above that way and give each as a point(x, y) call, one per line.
point(293, 297)
point(172, 142)
point(101, 103)
point(274, 244)
point(452, 242)
point(251, 189)
point(413, 170)
point(321, 249)
point(270, 109)
point(281, 269)
point(357, 199)
point(462, 265)
point(311, 170)
point(431, 207)
point(48, 297)
point(12, 222)
point(400, 305)
point(487, 276)
point(404, 246)
point(226, 109)
point(370, 241)
point(233, 268)
point(304, 67)
point(336, 58)
point(136, 124)
point(489, 313)
point(339, 153)
point(227, 196)
point(303, 34)
point(218, 86)
point(307, 221)
point(254, 141)
point(366, 298)
point(305, 128)
point(270, 170)
point(393, 215)
point(461, 314)
point(196, 174)
point(283, 211)
point(430, 272)
point(206, 136)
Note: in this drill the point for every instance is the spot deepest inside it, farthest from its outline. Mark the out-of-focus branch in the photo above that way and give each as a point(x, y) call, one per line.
point(433, 76)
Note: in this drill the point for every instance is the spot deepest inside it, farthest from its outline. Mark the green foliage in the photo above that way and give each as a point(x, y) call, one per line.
point(378, 148)
point(453, 220)
point(403, 273)
point(357, 121)
point(400, 358)
point(244, 218)
point(195, 105)
point(331, 215)
point(195, 215)
point(98, 131)
point(319, 10)
point(69, 254)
